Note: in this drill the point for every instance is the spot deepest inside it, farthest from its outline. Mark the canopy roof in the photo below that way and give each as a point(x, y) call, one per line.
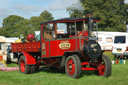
point(68, 20)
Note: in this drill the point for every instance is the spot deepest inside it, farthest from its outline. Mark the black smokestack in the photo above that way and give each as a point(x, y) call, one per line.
point(90, 24)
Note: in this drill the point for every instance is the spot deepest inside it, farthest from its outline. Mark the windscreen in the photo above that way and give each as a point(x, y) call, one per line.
point(119, 39)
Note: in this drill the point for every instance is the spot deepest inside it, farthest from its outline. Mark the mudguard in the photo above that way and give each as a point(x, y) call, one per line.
point(30, 60)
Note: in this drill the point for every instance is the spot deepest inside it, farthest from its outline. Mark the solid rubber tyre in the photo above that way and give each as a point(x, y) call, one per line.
point(73, 66)
point(23, 67)
point(107, 66)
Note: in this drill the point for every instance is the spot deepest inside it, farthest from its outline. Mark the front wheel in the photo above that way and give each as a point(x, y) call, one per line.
point(104, 67)
point(23, 67)
point(73, 66)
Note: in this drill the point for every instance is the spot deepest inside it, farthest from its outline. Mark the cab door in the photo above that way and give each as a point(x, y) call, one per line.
point(42, 43)
point(47, 36)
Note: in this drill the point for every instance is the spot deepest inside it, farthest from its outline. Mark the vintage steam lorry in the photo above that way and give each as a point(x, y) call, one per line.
point(75, 50)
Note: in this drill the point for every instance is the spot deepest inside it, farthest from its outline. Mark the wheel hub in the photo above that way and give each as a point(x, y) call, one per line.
point(70, 67)
point(101, 69)
point(22, 66)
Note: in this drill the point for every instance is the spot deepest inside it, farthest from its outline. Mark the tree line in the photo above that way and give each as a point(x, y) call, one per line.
point(113, 14)
point(14, 26)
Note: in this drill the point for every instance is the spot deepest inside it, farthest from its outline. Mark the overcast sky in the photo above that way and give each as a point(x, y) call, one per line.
point(29, 8)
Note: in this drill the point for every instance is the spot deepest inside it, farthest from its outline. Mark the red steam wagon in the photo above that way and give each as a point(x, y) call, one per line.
point(75, 49)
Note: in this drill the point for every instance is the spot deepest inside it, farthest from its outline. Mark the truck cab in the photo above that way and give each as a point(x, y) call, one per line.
point(57, 44)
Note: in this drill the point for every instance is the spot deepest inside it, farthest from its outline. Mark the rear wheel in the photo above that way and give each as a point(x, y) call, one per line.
point(23, 67)
point(73, 66)
point(104, 67)
point(33, 69)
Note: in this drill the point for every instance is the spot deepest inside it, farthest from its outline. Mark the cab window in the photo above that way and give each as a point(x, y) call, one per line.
point(48, 32)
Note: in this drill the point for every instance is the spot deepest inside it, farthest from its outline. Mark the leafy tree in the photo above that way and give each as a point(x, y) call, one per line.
point(14, 26)
point(35, 22)
point(23, 27)
point(46, 15)
point(9, 23)
point(11, 20)
point(2, 31)
point(112, 13)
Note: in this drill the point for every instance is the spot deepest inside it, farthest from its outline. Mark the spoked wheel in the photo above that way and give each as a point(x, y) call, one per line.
point(104, 68)
point(23, 67)
point(73, 66)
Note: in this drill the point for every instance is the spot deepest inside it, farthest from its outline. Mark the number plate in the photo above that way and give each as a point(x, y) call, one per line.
point(119, 50)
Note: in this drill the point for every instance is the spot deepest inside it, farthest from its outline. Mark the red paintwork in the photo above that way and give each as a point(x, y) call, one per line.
point(101, 69)
point(84, 63)
point(22, 66)
point(71, 67)
point(88, 69)
point(54, 49)
point(31, 37)
point(30, 60)
point(26, 47)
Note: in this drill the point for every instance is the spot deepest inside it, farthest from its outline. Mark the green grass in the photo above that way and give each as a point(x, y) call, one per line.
point(46, 77)
point(12, 65)
point(109, 54)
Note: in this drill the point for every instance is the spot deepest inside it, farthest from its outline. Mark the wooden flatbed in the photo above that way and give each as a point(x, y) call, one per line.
point(26, 47)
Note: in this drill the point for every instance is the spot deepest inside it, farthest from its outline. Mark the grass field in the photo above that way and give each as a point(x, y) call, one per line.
point(46, 77)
